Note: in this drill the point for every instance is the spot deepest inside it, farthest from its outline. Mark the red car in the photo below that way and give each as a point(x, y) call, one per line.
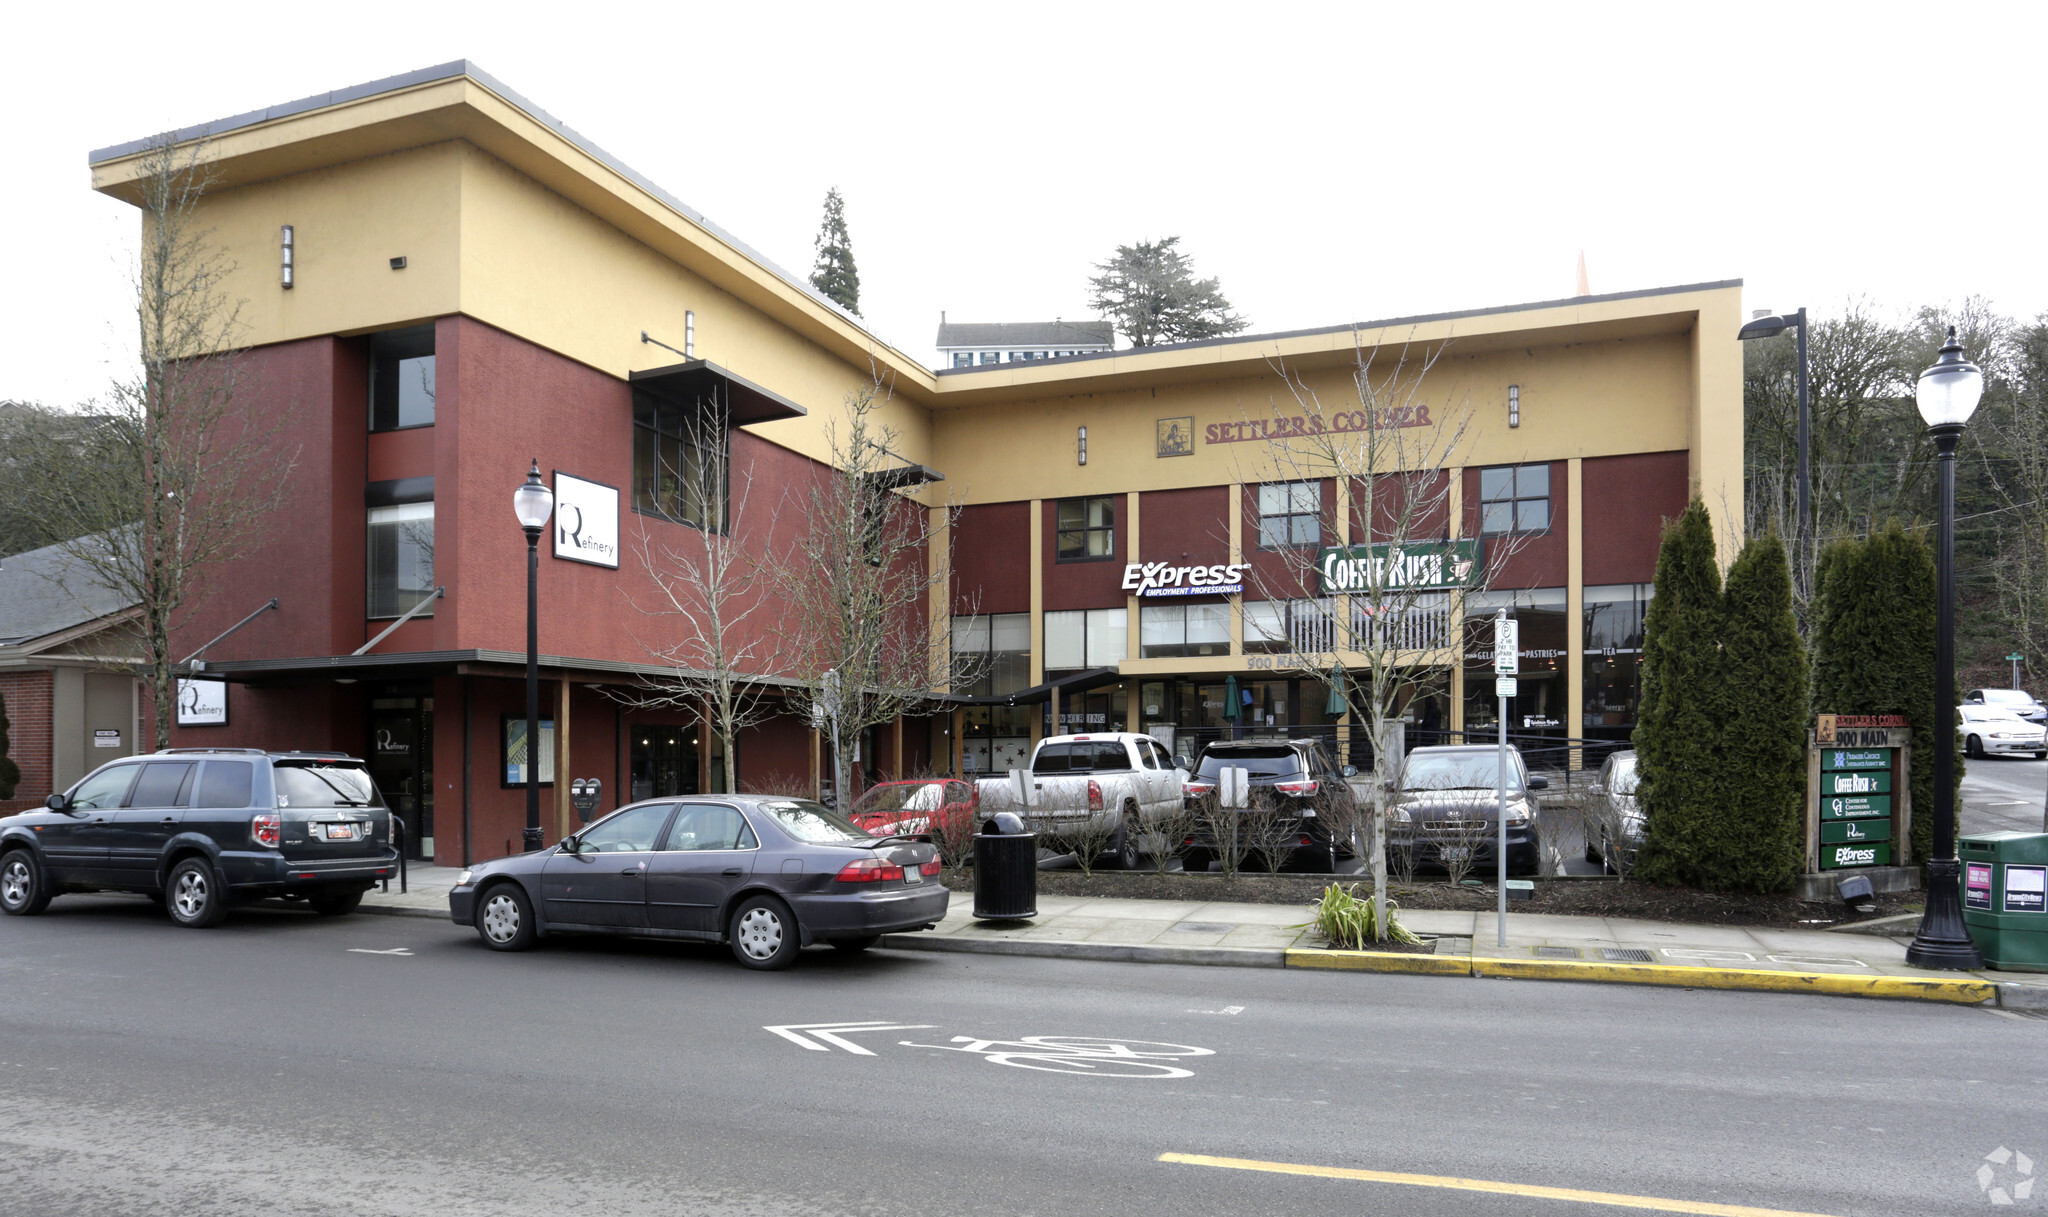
point(943, 807)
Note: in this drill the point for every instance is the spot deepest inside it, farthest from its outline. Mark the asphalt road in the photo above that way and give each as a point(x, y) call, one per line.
point(282, 1065)
point(2003, 793)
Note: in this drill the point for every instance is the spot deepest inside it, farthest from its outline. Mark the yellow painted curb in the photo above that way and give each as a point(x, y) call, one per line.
point(1965, 992)
point(1379, 961)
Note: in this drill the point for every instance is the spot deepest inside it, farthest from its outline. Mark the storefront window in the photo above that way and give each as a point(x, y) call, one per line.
point(1171, 630)
point(1085, 638)
point(664, 759)
point(995, 739)
point(401, 559)
point(992, 654)
point(1613, 656)
point(1106, 709)
point(1538, 708)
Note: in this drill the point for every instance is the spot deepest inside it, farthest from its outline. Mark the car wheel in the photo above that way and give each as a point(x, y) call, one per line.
point(2041, 756)
point(504, 918)
point(1973, 747)
point(764, 934)
point(196, 896)
point(22, 890)
point(335, 904)
point(854, 946)
point(1129, 842)
point(1195, 861)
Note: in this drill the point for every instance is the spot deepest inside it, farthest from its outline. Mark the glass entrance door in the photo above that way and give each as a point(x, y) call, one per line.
point(402, 763)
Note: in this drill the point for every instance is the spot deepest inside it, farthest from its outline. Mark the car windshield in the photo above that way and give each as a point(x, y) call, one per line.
point(1261, 762)
point(901, 796)
point(324, 785)
point(1991, 714)
point(1457, 771)
point(811, 823)
point(1624, 775)
point(2005, 697)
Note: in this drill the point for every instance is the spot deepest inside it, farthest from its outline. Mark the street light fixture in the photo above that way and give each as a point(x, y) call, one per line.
point(1770, 327)
point(533, 503)
point(1947, 395)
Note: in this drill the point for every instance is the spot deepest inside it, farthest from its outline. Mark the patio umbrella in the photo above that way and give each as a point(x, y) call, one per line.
point(1337, 705)
point(1230, 697)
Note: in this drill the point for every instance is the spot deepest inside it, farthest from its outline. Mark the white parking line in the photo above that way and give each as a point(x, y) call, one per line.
point(403, 951)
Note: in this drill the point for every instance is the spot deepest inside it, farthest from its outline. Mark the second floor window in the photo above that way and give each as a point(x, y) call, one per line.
point(401, 554)
point(402, 379)
point(1087, 529)
point(1514, 498)
point(1290, 514)
point(963, 359)
point(680, 466)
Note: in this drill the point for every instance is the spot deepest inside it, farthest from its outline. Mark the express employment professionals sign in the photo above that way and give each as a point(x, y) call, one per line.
point(586, 521)
point(1162, 579)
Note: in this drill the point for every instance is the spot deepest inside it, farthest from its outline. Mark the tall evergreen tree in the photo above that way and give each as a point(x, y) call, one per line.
point(833, 273)
point(1873, 649)
point(1150, 291)
point(1678, 726)
point(1759, 834)
point(10, 773)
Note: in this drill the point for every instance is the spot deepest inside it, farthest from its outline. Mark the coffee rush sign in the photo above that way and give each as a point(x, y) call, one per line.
point(1390, 566)
point(1163, 579)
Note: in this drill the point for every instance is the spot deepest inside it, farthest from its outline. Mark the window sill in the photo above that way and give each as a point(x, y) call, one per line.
point(408, 427)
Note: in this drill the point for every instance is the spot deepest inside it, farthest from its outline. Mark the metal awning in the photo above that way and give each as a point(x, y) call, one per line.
point(1079, 682)
point(699, 380)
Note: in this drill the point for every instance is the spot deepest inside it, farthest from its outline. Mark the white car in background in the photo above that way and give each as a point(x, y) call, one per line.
point(1996, 730)
point(2018, 701)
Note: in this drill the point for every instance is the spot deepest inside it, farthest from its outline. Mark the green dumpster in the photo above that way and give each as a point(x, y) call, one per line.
point(2005, 877)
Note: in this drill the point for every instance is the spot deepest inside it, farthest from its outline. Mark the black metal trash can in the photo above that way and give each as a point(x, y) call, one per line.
point(1005, 869)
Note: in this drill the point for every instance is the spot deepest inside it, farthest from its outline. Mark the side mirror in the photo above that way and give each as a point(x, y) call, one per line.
point(58, 802)
point(1539, 783)
point(1350, 771)
point(568, 845)
point(1184, 762)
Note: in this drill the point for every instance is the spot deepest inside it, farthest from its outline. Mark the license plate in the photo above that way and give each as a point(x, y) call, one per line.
point(913, 875)
point(338, 832)
point(1455, 853)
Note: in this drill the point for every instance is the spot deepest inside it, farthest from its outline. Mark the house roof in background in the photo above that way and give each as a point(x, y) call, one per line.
point(1026, 334)
point(47, 591)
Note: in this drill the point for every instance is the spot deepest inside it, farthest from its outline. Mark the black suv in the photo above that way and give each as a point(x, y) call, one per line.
point(199, 828)
point(1297, 794)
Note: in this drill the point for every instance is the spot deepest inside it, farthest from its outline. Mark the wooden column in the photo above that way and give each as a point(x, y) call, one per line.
point(564, 813)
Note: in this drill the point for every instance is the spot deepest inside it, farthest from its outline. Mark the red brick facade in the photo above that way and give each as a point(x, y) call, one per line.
point(30, 709)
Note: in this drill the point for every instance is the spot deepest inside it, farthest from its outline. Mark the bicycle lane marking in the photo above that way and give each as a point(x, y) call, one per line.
point(1096, 1056)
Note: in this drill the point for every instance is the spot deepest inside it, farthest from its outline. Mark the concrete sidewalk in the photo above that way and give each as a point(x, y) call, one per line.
point(1539, 946)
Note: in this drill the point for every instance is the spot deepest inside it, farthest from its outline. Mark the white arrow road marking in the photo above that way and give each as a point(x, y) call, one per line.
point(368, 951)
point(826, 1032)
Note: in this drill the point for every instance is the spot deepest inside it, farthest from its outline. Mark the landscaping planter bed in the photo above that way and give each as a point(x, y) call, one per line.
point(1585, 897)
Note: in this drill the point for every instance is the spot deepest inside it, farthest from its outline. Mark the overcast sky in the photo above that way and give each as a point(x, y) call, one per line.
point(1329, 163)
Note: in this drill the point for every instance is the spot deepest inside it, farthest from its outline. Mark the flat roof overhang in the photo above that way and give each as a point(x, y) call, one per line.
point(1079, 682)
point(402, 665)
point(744, 402)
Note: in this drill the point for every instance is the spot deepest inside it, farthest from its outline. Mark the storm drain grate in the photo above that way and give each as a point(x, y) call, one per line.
point(1556, 952)
point(1626, 955)
point(1452, 946)
point(1203, 927)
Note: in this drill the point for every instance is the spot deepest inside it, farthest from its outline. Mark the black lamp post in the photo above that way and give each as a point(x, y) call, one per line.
point(533, 503)
point(1771, 327)
point(1947, 395)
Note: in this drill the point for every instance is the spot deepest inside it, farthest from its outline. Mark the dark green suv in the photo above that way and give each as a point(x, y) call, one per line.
point(203, 828)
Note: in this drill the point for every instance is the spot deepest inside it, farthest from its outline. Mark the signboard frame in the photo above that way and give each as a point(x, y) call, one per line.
point(586, 521)
point(197, 703)
point(1833, 736)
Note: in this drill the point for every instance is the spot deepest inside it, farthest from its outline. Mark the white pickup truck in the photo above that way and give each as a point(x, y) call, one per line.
point(1102, 791)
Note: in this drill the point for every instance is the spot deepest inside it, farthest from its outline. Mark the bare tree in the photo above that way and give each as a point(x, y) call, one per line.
point(181, 469)
point(708, 592)
point(856, 588)
point(1380, 615)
